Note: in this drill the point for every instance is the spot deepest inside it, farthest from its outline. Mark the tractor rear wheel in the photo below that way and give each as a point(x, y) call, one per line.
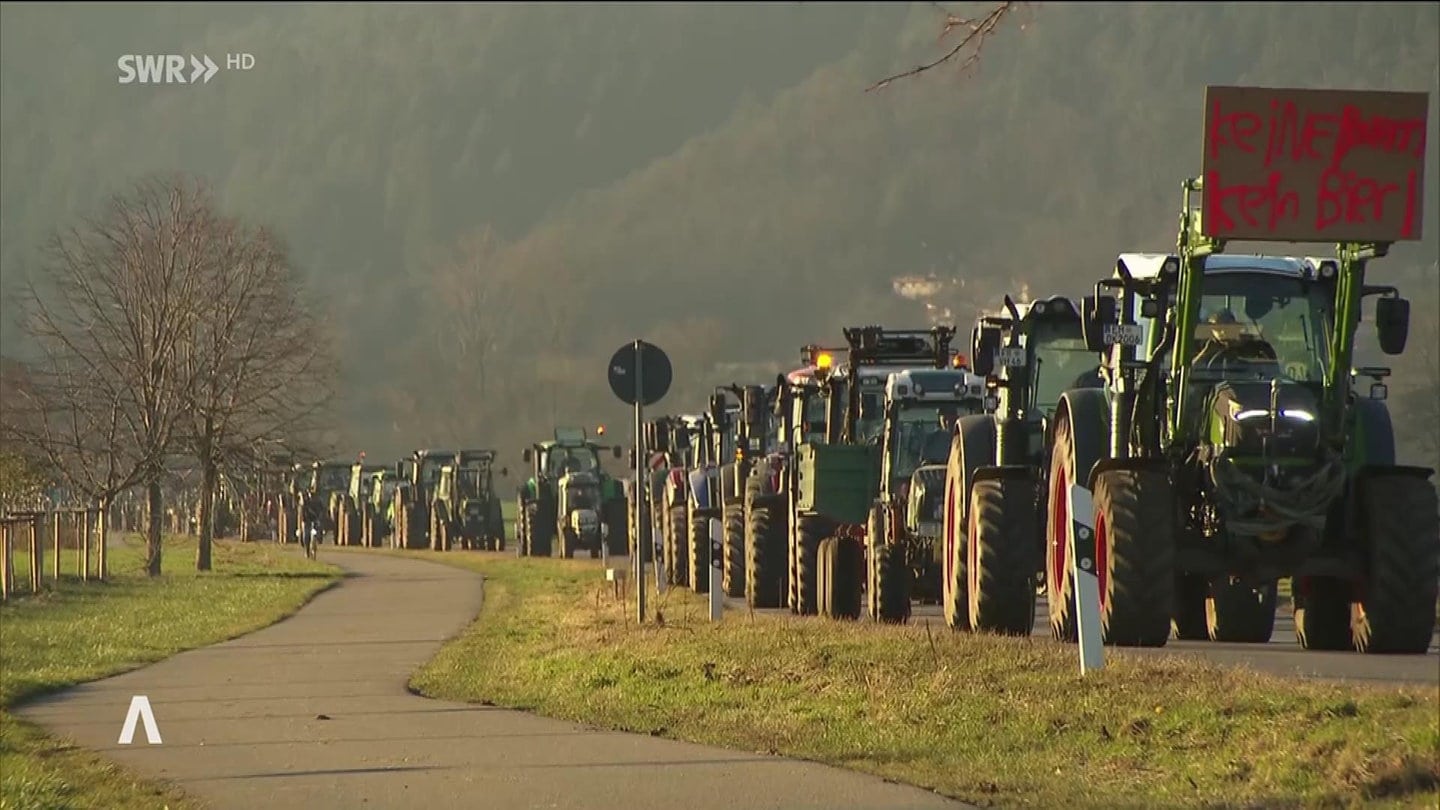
point(809, 531)
point(838, 577)
point(766, 574)
point(1135, 547)
point(1396, 611)
point(733, 556)
point(1059, 585)
point(698, 553)
point(1236, 612)
point(677, 548)
point(1322, 612)
point(1000, 556)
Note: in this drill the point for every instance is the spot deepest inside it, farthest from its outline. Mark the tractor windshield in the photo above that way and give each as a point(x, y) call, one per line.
point(562, 460)
point(919, 439)
point(430, 470)
point(1262, 326)
point(333, 478)
point(468, 480)
point(1062, 362)
point(815, 418)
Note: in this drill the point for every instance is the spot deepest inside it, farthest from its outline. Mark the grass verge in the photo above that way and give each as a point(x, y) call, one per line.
point(80, 632)
point(993, 721)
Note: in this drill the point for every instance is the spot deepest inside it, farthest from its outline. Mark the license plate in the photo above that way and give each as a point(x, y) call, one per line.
point(1123, 334)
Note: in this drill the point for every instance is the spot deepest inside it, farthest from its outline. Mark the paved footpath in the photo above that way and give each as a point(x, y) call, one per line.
point(314, 713)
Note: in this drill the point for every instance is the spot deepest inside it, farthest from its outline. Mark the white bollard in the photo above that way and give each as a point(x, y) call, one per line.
point(1086, 579)
point(717, 596)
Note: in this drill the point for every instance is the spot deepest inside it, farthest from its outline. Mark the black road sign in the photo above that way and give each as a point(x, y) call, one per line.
point(654, 367)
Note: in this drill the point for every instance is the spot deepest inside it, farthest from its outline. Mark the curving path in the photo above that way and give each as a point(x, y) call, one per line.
point(313, 713)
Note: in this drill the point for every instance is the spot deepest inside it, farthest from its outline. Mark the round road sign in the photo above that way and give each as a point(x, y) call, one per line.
point(653, 366)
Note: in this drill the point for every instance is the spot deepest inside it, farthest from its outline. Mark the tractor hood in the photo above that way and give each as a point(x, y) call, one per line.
point(1260, 420)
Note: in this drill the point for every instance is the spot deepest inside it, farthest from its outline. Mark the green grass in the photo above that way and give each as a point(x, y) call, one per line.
point(988, 720)
point(80, 632)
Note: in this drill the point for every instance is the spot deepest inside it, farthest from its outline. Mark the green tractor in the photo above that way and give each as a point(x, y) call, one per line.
point(375, 511)
point(352, 520)
point(750, 429)
point(467, 505)
point(835, 483)
point(995, 479)
point(570, 498)
point(414, 498)
point(1229, 448)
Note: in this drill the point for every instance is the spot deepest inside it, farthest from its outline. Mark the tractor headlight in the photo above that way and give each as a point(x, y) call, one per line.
point(919, 390)
point(1328, 269)
point(1039, 307)
point(1296, 413)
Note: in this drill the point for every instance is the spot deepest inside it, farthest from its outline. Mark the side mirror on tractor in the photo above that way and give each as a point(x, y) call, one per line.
point(1097, 312)
point(982, 353)
point(505, 472)
point(526, 455)
point(1392, 324)
point(616, 450)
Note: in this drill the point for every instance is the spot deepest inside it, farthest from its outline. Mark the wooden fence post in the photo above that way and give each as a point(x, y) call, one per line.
point(7, 562)
point(37, 555)
point(55, 538)
point(82, 525)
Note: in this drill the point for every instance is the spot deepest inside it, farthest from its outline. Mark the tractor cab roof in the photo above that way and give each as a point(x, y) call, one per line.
point(1152, 265)
point(482, 458)
point(432, 453)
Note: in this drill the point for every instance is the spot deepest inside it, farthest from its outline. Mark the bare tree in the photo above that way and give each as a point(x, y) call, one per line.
point(109, 313)
point(259, 365)
point(976, 31)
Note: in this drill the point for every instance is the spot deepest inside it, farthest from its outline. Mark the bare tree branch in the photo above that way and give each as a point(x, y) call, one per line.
point(978, 30)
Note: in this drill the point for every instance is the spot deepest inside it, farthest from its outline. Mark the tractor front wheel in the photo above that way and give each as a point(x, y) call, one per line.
point(733, 556)
point(1135, 547)
point(1396, 611)
point(1000, 556)
point(838, 577)
point(1236, 612)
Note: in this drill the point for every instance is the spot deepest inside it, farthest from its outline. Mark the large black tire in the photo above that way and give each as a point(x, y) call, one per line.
point(1237, 613)
point(1396, 609)
point(1059, 583)
point(809, 531)
point(542, 531)
point(639, 537)
point(677, 548)
point(568, 543)
point(1080, 439)
point(698, 553)
point(889, 592)
point(617, 526)
point(1000, 556)
point(1322, 612)
point(973, 446)
point(839, 569)
point(766, 574)
point(1135, 544)
point(522, 530)
point(1188, 621)
point(733, 556)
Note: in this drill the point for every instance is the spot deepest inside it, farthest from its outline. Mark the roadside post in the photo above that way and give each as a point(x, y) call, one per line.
point(1087, 580)
point(640, 375)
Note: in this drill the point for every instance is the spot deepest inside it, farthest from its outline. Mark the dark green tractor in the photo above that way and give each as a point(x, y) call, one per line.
point(375, 508)
point(417, 478)
point(996, 493)
point(749, 428)
point(837, 482)
point(569, 503)
point(1229, 449)
point(468, 503)
point(351, 520)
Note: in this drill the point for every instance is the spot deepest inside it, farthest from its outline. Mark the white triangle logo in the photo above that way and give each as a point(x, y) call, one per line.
point(140, 709)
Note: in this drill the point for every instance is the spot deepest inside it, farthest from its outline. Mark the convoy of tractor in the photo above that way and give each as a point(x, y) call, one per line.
point(1209, 403)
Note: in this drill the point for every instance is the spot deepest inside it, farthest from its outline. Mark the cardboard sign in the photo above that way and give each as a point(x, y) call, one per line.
point(1289, 165)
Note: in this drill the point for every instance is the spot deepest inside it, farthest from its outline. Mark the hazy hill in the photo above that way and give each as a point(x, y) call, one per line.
point(710, 177)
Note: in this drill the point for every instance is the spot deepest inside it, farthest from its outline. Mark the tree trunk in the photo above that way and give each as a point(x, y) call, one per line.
point(207, 513)
point(152, 535)
point(104, 531)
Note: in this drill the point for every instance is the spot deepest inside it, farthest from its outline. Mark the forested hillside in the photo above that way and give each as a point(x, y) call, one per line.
point(490, 199)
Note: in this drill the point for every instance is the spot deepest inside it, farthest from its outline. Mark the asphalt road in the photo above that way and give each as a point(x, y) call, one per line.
point(1281, 656)
point(313, 713)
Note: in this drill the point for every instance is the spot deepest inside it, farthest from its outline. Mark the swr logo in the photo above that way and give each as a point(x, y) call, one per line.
point(164, 69)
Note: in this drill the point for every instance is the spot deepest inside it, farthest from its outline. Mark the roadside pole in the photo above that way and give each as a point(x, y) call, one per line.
point(1087, 580)
point(639, 478)
point(717, 596)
